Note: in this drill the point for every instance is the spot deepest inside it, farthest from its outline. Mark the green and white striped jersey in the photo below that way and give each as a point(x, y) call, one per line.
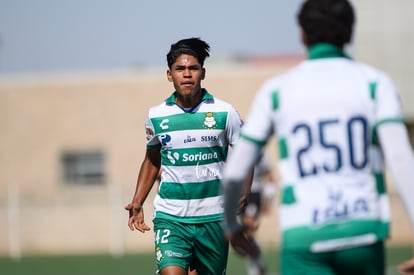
point(325, 112)
point(194, 146)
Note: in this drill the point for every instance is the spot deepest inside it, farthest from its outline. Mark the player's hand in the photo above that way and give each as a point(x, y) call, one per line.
point(407, 267)
point(136, 218)
point(243, 244)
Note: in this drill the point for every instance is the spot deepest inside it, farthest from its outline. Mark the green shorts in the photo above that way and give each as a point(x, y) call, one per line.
point(198, 246)
point(363, 260)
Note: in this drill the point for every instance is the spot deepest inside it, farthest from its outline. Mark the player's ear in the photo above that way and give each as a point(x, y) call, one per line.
point(203, 73)
point(169, 76)
point(303, 37)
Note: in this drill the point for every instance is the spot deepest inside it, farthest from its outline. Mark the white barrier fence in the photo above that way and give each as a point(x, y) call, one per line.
point(96, 223)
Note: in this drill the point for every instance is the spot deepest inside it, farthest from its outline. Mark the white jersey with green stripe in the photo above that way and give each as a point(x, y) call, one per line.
point(194, 145)
point(324, 113)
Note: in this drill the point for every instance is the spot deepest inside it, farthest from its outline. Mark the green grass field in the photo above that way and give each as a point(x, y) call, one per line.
point(141, 264)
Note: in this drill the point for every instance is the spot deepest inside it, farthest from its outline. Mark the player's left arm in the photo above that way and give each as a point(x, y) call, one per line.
point(396, 147)
point(237, 170)
point(241, 161)
point(235, 124)
point(399, 159)
point(394, 141)
point(269, 191)
point(244, 199)
point(233, 184)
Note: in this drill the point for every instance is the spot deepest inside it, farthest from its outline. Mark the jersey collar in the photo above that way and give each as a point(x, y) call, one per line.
point(324, 50)
point(206, 97)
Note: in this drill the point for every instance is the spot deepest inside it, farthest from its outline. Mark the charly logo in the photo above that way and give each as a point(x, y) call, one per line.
point(163, 124)
point(209, 121)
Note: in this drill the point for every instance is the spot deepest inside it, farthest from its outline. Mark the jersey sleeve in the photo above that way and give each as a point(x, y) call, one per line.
point(152, 140)
point(234, 124)
point(388, 105)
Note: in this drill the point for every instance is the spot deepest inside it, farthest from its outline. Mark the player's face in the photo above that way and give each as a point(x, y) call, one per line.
point(186, 74)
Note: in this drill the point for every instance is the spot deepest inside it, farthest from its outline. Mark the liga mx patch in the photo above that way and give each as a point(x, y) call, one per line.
point(149, 132)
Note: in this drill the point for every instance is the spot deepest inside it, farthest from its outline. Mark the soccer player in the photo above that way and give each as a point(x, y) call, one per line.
point(334, 119)
point(188, 138)
point(263, 191)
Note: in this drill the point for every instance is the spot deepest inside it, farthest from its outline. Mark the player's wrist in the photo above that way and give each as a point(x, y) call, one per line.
point(137, 206)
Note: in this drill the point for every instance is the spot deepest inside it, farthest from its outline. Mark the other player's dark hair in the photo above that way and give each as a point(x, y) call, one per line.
point(327, 21)
point(191, 46)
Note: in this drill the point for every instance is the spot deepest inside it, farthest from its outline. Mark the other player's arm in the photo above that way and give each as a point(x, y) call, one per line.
point(238, 166)
point(244, 199)
point(233, 131)
point(147, 176)
point(399, 158)
point(269, 190)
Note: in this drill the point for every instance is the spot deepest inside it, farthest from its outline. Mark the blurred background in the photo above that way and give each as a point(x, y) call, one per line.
point(76, 81)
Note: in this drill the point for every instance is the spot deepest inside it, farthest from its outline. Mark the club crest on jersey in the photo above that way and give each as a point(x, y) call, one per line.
point(158, 253)
point(209, 121)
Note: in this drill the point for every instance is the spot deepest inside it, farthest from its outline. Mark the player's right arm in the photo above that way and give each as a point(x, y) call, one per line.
point(147, 176)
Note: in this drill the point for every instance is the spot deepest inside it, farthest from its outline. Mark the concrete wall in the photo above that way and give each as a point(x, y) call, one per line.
point(384, 37)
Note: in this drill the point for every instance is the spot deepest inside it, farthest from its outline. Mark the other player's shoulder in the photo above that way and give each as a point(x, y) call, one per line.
point(371, 72)
point(276, 82)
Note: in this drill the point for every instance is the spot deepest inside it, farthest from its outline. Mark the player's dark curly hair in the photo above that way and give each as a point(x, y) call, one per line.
point(327, 21)
point(191, 46)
